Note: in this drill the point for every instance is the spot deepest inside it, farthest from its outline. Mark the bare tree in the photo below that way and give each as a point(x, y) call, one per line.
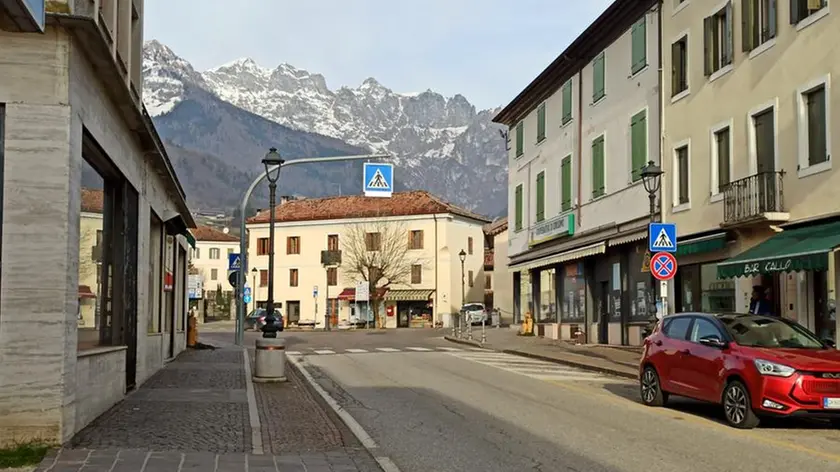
point(377, 253)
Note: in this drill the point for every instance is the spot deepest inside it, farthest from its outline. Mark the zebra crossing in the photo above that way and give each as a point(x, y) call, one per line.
point(327, 351)
point(534, 368)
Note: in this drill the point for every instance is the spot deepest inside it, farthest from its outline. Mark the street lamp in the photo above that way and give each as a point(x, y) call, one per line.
point(254, 285)
point(272, 162)
point(652, 181)
point(463, 256)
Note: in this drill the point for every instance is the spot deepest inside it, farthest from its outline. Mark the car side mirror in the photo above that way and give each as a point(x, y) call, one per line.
point(713, 341)
point(830, 343)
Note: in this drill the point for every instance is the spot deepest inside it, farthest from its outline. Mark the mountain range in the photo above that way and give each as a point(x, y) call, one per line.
point(218, 124)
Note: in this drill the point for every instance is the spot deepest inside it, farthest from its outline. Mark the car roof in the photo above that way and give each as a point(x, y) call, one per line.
point(720, 315)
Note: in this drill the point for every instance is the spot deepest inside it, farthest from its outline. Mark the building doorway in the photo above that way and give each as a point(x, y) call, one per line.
point(603, 312)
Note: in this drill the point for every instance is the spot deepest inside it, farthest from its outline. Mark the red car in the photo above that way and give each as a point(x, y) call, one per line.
point(753, 365)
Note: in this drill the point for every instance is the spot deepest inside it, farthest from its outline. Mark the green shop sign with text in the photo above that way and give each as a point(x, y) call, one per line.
point(563, 225)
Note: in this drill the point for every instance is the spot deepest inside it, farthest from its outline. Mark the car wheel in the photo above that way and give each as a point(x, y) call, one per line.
point(835, 422)
point(650, 388)
point(737, 406)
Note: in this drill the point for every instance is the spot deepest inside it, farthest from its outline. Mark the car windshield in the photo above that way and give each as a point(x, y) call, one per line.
point(473, 307)
point(761, 331)
point(261, 312)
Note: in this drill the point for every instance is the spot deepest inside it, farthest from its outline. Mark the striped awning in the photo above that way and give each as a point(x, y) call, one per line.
point(628, 238)
point(409, 295)
point(579, 253)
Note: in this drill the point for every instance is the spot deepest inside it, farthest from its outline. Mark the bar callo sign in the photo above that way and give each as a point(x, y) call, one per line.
point(768, 267)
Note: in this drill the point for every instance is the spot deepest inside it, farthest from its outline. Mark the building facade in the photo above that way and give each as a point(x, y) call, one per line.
point(579, 136)
point(501, 278)
point(748, 146)
point(414, 238)
point(93, 224)
point(210, 258)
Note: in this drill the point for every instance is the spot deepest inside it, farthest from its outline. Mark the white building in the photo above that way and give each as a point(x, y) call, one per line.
point(210, 257)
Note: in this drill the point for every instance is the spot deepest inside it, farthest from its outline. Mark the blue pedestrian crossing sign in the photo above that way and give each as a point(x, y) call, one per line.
point(378, 179)
point(234, 262)
point(246, 296)
point(662, 237)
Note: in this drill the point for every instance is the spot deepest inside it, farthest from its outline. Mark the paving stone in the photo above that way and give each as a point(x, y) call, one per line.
point(219, 378)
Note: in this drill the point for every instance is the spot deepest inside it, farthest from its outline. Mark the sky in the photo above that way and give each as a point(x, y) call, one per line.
point(486, 50)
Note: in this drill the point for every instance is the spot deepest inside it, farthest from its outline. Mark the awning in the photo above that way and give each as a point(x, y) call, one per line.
point(86, 292)
point(708, 243)
point(804, 248)
point(409, 295)
point(579, 253)
point(190, 239)
point(350, 293)
point(628, 238)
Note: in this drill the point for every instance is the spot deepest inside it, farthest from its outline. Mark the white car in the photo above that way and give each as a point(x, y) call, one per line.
point(475, 313)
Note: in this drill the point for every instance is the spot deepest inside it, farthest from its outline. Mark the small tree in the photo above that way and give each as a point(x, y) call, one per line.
point(377, 253)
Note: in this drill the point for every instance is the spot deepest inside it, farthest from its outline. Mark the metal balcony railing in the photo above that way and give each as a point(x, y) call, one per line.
point(753, 196)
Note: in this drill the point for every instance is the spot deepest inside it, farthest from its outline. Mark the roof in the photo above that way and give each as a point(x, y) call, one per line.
point(93, 200)
point(208, 233)
point(498, 226)
point(600, 34)
point(416, 202)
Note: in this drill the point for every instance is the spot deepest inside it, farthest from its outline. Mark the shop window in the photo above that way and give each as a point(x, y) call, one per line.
point(548, 296)
point(574, 293)
point(716, 295)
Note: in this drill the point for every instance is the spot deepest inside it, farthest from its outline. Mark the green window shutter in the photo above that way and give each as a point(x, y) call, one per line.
point(638, 59)
point(540, 196)
point(566, 181)
point(541, 122)
point(567, 101)
point(598, 91)
point(520, 136)
point(518, 209)
point(638, 144)
point(598, 167)
point(708, 47)
point(747, 26)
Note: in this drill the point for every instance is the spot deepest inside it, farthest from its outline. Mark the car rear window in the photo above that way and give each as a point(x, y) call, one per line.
point(473, 307)
point(677, 328)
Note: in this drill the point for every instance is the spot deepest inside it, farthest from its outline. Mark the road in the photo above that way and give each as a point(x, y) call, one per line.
point(451, 408)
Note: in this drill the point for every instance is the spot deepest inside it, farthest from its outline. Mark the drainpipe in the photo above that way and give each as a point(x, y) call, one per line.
point(437, 295)
point(661, 79)
point(579, 145)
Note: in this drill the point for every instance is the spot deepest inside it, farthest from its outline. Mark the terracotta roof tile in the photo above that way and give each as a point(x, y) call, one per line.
point(207, 233)
point(498, 226)
point(93, 200)
point(417, 202)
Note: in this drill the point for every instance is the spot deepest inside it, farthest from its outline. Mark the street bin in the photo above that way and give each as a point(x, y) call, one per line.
point(496, 318)
point(270, 360)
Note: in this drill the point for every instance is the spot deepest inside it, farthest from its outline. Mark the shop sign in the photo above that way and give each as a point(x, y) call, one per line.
point(563, 225)
point(168, 281)
point(196, 286)
point(768, 267)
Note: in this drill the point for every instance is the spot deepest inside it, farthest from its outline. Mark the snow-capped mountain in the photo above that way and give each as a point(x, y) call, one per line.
point(440, 144)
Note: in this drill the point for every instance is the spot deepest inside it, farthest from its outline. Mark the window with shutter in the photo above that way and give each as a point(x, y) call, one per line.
point(638, 35)
point(416, 274)
point(566, 182)
point(518, 208)
point(567, 102)
point(679, 66)
point(293, 277)
point(520, 136)
point(332, 276)
point(723, 158)
point(540, 196)
point(801, 9)
point(717, 40)
point(541, 122)
point(758, 23)
point(638, 144)
point(598, 170)
point(598, 87)
point(470, 245)
point(682, 175)
point(815, 103)
point(263, 277)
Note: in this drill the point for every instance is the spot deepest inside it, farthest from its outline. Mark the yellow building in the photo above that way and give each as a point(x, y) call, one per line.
point(413, 238)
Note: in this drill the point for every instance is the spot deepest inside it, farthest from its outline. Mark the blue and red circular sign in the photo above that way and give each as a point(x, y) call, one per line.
point(663, 266)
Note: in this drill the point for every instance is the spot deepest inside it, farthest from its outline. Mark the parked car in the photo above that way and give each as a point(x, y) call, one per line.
point(256, 319)
point(475, 313)
point(754, 366)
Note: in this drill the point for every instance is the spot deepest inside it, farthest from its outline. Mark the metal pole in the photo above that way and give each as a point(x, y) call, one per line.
point(652, 199)
point(327, 302)
point(243, 247)
point(270, 328)
point(483, 330)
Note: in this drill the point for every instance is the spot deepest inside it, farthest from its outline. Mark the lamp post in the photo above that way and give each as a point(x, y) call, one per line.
point(652, 181)
point(269, 161)
point(463, 256)
point(254, 286)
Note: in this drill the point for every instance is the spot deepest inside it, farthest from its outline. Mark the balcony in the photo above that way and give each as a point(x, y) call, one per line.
point(756, 199)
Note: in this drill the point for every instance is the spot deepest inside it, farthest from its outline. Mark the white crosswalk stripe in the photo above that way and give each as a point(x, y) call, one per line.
point(357, 351)
point(419, 349)
point(387, 349)
point(294, 353)
point(450, 349)
point(533, 368)
point(326, 351)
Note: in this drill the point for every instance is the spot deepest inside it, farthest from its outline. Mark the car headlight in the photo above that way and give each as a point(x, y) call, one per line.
point(772, 368)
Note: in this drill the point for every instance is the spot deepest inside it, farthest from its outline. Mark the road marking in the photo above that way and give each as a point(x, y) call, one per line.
point(480, 349)
point(387, 349)
point(420, 349)
point(253, 412)
point(324, 351)
point(536, 369)
point(357, 351)
point(294, 353)
point(450, 349)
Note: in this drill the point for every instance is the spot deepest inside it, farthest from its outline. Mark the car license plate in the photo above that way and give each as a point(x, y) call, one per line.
point(831, 403)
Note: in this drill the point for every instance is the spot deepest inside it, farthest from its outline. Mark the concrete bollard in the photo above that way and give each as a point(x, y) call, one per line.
point(270, 360)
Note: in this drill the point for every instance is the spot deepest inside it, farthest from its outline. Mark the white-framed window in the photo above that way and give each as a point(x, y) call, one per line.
point(762, 138)
point(214, 253)
point(759, 25)
point(721, 160)
point(804, 13)
point(718, 49)
point(814, 125)
point(681, 176)
point(679, 5)
point(680, 67)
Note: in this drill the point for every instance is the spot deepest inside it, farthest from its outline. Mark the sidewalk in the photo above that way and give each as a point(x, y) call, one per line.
point(621, 361)
point(201, 413)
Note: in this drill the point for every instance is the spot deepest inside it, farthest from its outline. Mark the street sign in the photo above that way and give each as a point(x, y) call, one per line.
point(196, 286)
point(234, 261)
point(662, 237)
point(663, 266)
point(232, 277)
point(362, 291)
point(315, 292)
point(378, 179)
point(646, 262)
point(246, 296)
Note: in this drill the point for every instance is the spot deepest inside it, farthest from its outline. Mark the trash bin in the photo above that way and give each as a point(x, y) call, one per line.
point(270, 360)
point(496, 318)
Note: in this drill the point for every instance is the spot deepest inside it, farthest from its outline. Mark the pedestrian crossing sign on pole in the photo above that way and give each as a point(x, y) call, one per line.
point(662, 237)
point(378, 179)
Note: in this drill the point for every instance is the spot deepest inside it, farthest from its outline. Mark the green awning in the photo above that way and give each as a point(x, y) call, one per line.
point(700, 245)
point(805, 248)
point(409, 295)
point(190, 239)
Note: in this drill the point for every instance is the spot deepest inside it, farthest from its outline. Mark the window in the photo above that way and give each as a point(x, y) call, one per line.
point(196, 253)
point(214, 274)
point(717, 40)
point(598, 170)
point(677, 328)
point(541, 122)
point(566, 182)
point(520, 137)
point(332, 276)
point(470, 245)
point(518, 208)
point(801, 9)
point(293, 277)
point(722, 158)
point(488, 282)
point(263, 278)
point(704, 329)
point(758, 20)
point(373, 241)
point(156, 272)
point(764, 128)
point(598, 87)
point(293, 245)
point(679, 66)
point(638, 144)
point(815, 117)
point(416, 274)
point(415, 239)
point(470, 277)
point(638, 37)
point(681, 156)
point(332, 242)
point(567, 102)
point(262, 247)
point(214, 253)
point(540, 196)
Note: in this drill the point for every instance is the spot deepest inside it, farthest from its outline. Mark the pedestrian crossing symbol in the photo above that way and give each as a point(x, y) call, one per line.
point(378, 179)
point(662, 237)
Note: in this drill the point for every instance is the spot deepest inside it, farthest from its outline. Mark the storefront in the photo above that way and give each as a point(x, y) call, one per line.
point(413, 307)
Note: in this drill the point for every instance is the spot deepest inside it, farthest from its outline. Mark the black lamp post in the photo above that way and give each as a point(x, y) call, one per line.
point(652, 180)
point(254, 285)
point(271, 161)
point(463, 256)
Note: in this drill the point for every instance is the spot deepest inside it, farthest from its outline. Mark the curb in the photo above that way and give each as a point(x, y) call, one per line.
point(578, 365)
